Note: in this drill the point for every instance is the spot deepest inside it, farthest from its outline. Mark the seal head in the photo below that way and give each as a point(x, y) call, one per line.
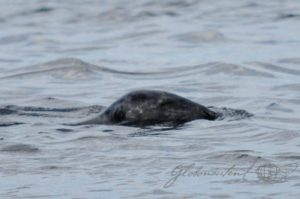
point(149, 107)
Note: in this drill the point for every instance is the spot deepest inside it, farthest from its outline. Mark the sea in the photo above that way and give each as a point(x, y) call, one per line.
point(65, 61)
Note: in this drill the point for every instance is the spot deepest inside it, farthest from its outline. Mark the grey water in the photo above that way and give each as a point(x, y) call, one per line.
point(83, 55)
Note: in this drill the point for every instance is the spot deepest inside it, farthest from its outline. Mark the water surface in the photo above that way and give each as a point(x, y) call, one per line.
point(68, 54)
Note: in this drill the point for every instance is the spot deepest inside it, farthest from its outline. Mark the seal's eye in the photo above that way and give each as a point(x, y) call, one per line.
point(119, 116)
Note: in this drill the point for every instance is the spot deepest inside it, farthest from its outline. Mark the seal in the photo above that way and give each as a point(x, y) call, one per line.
point(151, 107)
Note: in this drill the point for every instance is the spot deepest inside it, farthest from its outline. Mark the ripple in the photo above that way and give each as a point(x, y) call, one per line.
point(68, 68)
point(43, 10)
point(6, 124)
point(291, 87)
point(275, 68)
point(231, 114)
point(290, 60)
point(231, 69)
point(76, 69)
point(236, 156)
point(201, 37)
point(25, 148)
point(277, 107)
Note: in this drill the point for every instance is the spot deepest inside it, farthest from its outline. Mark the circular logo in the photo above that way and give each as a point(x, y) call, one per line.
point(268, 172)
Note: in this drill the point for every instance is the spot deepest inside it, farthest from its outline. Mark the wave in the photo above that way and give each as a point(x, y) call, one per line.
point(271, 68)
point(76, 69)
point(68, 68)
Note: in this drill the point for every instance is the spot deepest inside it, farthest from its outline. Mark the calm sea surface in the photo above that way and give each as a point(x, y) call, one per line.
point(238, 54)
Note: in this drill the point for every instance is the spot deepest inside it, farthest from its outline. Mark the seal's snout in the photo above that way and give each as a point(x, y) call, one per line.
point(211, 115)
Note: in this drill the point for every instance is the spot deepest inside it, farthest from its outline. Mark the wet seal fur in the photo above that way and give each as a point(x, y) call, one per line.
point(150, 107)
